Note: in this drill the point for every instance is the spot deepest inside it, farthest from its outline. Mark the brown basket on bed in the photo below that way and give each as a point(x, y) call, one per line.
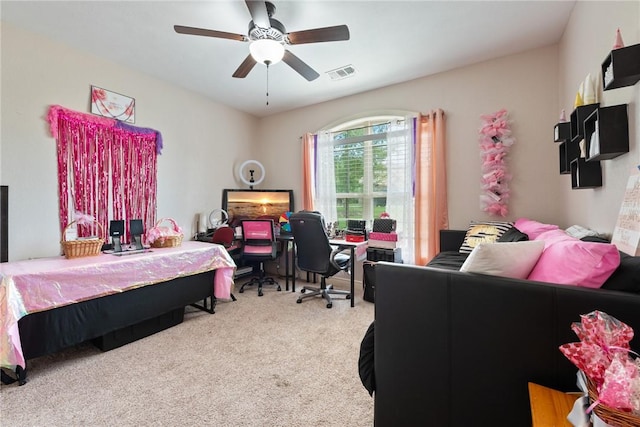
point(83, 246)
point(169, 237)
point(611, 416)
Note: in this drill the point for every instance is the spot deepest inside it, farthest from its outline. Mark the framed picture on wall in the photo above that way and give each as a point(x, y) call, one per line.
point(112, 105)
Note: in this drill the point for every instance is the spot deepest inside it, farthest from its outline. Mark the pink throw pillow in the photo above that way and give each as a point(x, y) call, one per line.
point(552, 236)
point(533, 228)
point(569, 261)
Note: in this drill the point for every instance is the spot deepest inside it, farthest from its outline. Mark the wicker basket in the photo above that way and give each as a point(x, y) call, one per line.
point(611, 416)
point(170, 237)
point(81, 247)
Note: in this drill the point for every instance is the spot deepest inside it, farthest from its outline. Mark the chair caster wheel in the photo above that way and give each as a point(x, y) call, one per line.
point(329, 305)
point(260, 294)
point(348, 296)
point(299, 301)
point(241, 290)
point(279, 288)
point(303, 290)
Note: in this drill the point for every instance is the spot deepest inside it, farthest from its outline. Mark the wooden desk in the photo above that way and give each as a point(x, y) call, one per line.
point(549, 407)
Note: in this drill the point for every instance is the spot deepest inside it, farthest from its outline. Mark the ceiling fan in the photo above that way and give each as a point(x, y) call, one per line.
point(268, 37)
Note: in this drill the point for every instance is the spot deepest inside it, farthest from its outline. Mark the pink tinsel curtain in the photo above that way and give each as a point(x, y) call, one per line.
point(134, 162)
point(96, 155)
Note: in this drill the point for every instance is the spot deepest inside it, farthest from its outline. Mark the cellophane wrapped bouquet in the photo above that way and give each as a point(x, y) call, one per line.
point(605, 357)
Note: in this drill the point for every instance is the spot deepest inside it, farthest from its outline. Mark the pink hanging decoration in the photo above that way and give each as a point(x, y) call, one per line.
point(495, 141)
point(563, 116)
point(95, 153)
point(134, 162)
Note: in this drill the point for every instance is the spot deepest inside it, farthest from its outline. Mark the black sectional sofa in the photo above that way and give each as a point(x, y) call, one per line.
point(458, 349)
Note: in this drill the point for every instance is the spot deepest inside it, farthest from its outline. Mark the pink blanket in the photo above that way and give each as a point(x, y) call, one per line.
point(43, 284)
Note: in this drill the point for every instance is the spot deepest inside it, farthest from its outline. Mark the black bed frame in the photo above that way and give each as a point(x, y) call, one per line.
point(114, 320)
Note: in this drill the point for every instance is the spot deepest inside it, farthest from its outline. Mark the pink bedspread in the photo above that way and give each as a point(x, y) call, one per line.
point(43, 284)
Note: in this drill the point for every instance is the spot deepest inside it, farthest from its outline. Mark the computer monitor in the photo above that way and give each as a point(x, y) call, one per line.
point(251, 204)
point(136, 229)
point(116, 231)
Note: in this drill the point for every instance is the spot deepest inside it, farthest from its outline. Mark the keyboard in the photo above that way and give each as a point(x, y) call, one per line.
point(129, 252)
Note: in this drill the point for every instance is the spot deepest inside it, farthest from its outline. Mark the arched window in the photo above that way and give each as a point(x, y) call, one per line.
point(347, 166)
point(364, 168)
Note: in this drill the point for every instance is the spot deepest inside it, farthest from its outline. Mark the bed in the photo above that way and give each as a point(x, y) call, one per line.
point(49, 304)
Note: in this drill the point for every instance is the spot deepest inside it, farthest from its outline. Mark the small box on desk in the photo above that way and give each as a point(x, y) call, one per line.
point(384, 225)
point(384, 244)
point(383, 240)
point(355, 235)
point(389, 237)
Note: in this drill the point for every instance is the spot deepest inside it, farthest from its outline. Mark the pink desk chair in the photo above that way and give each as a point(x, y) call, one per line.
point(259, 245)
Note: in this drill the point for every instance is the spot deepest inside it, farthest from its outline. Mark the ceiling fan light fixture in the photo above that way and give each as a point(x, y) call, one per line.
point(266, 51)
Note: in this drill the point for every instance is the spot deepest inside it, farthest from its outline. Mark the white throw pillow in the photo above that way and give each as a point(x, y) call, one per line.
point(506, 259)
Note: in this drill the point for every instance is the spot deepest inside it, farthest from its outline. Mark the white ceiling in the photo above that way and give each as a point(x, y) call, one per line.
point(391, 41)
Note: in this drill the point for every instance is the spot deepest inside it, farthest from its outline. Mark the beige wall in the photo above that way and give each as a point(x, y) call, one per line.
point(524, 84)
point(587, 41)
point(203, 140)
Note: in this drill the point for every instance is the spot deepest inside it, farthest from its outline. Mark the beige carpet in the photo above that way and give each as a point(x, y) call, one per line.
point(256, 362)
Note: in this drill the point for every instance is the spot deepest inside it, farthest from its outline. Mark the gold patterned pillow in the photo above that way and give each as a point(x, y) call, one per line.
point(483, 232)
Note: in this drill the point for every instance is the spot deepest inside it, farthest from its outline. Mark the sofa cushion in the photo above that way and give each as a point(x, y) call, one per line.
point(508, 259)
point(533, 228)
point(513, 235)
point(569, 261)
point(451, 260)
point(627, 275)
point(483, 232)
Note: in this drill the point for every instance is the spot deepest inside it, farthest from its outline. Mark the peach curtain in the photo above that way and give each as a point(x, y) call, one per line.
point(307, 171)
point(431, 184)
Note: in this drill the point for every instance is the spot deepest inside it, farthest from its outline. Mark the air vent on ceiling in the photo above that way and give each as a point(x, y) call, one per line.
point(342, 72)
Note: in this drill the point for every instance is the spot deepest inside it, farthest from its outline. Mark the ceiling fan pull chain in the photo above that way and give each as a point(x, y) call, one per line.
point(267, 63)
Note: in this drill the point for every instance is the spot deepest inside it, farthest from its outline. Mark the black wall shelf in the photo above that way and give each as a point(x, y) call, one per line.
point(585, 174)
point(567, 152)
point(621, 67)
point(562, 132)
point(613, 132)
point(577, 119)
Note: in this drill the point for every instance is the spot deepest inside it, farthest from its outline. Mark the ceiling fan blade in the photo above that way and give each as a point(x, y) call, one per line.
point(298, 65)
point(259, 14)
point(326, 34)
point(209, 33)
point(245, 67)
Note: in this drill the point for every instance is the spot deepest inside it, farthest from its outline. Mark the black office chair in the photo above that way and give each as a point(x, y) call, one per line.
point(314, 254)
point(259, 245)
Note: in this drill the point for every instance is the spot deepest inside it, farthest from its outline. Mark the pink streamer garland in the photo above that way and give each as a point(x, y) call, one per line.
point(495, 142)
point(88, 148)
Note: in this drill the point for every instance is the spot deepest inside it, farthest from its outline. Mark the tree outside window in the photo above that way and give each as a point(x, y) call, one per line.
point(360, 157)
